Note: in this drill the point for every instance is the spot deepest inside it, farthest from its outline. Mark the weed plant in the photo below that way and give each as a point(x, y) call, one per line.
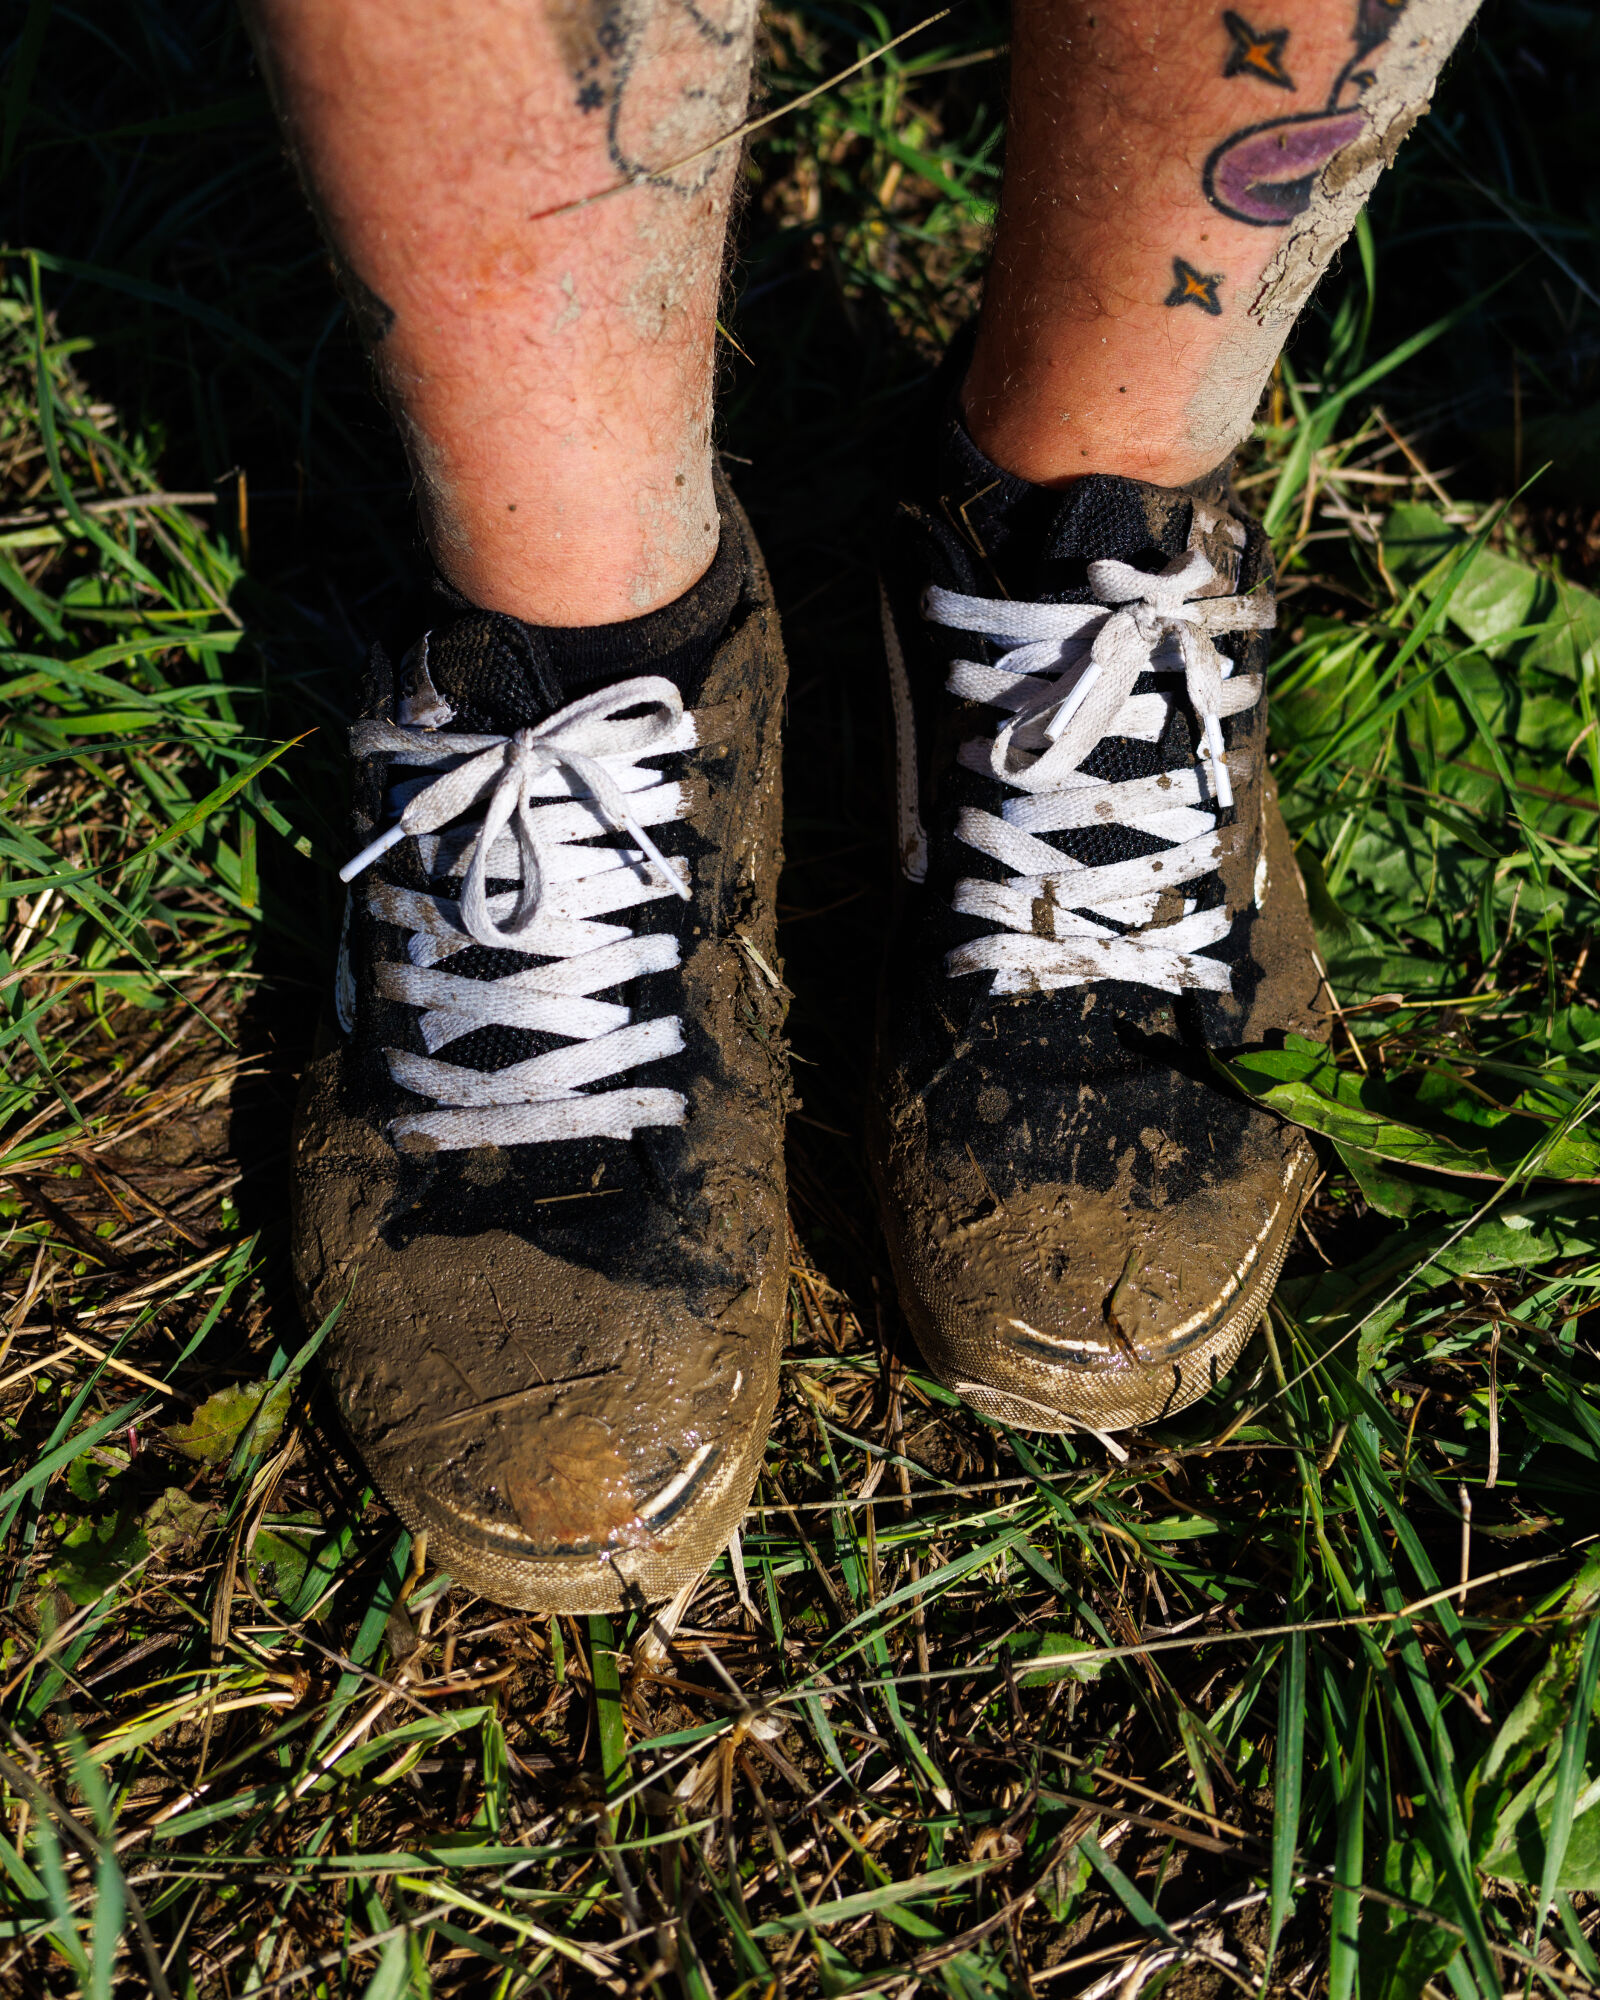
point(1294, 1694)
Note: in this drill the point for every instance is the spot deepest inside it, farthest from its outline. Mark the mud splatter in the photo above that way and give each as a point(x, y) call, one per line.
point(572, 311)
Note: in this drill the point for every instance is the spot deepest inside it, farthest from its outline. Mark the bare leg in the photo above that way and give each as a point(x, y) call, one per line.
point(552, 373)
point(1178, 176)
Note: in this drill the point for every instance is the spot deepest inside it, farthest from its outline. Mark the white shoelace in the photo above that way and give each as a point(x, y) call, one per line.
point(1066, 680)
point(584, 760)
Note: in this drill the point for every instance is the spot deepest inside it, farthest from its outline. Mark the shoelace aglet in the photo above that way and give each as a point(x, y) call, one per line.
point(1074, 701)
point(372, 851)
point(679, 886)
point(1216, 757)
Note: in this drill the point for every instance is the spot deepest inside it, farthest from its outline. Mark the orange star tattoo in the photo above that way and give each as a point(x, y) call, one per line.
point(1194, 288)
point(1256, 52)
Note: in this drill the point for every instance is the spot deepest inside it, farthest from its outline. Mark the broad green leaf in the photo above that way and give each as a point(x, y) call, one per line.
point(1566, 1815)
point(1520, 1853)
point(1051, 1656)
point(1496, 596)
point(95, 1555)
point(279, 1562)
point(1564, 1792)
point(1401, 1953)
point(1395, 1192)
point(1569, 646)
point(1493, 598)
point(216, 1427)
point(1521, 1239)
point(1301, 1083)
point(173, 1520)
point(1415, 538)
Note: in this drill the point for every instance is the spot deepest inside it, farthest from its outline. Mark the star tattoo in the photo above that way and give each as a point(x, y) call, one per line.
point(1256, 52)
point(1194, 288)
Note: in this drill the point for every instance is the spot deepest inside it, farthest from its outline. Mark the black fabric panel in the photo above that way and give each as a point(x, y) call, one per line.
point(499, 673)
point(1089, 1071)
point(629, 1206)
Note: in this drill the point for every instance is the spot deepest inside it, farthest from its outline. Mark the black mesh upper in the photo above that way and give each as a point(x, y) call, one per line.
point(1087, 1069)
point(500, 674)
point(612, 1201)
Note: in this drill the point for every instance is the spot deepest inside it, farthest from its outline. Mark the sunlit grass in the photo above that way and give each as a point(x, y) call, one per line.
point(1297, 1695)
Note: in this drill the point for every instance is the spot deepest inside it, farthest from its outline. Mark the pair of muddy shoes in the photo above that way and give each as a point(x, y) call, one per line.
point(539, 1167)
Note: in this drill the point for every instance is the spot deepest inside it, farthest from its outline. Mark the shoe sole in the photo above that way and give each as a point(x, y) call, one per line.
point(1078, 1398)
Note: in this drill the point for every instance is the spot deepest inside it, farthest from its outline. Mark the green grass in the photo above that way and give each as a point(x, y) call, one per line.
point(1296, 1697)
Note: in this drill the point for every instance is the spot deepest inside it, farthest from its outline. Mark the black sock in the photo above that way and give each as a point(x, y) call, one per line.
point(675, 641)
point(499, 673)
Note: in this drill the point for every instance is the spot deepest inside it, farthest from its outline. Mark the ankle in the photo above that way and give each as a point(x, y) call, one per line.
point(1052, 399)
point(617, 548)
point(1029, 435)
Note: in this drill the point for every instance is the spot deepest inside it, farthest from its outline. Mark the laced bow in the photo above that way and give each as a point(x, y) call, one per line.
point(1066, 674)
point(542, 793)
point(505, 768)
point(1076, 709)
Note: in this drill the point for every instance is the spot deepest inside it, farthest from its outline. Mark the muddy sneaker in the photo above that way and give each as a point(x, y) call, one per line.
point(1099, 891)
point(540, 1171)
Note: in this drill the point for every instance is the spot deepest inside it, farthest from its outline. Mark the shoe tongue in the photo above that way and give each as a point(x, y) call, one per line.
point(1100, 518)
point(498, 674)
point(1041, 540)
point(494, 672)
point(1105, 518)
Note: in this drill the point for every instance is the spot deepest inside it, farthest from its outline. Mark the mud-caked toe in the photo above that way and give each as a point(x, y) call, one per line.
point(569, 1438)
point(1101, 1292)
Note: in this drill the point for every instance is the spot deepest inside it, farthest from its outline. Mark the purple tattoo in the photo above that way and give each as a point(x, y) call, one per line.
point(1264, 174)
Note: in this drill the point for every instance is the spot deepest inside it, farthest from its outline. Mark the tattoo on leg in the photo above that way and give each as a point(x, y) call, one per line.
point(1194, 288)
point(1264, 174)
point(1256, 52)
point(695, 96)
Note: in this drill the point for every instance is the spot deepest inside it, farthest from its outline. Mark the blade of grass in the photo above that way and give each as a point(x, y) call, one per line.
point(1570, 1774)
point(610, 1722)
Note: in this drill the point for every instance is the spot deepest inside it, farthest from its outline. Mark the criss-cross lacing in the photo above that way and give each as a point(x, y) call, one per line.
point(482, 819)
point(1065, 674)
